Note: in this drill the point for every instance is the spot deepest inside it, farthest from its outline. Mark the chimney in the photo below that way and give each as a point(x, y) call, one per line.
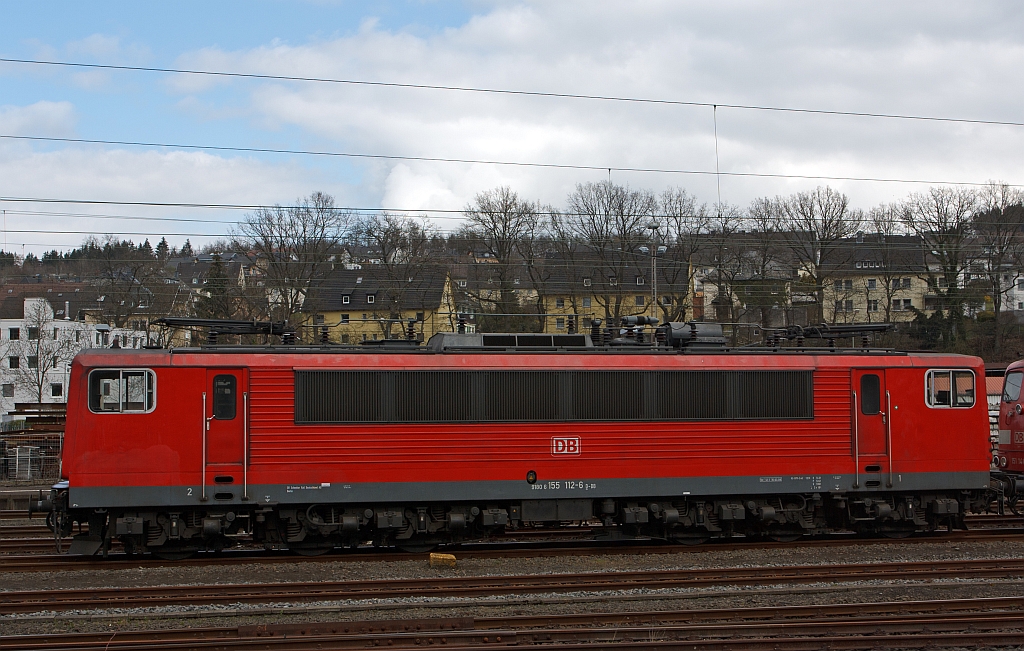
point(67, 310)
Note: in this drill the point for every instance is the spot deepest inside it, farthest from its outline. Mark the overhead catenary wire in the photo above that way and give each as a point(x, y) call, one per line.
point(472, 161)
point(507, 91)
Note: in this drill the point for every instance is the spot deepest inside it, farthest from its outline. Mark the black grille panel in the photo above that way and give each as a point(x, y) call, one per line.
point(329, 397)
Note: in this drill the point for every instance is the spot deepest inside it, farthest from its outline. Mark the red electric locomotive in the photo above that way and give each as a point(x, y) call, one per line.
point(1009, 460)
point(313, 447)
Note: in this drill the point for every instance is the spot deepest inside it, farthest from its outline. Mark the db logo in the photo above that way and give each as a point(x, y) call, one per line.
point(565, 445)
point(1018, 437)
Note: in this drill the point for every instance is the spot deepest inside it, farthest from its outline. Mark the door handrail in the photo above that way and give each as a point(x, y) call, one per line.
point(888, 434)
point(206, 426)
point(856, 443)
point(245, 445)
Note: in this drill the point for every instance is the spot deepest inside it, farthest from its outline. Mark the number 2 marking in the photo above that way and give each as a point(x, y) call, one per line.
point(190, 492)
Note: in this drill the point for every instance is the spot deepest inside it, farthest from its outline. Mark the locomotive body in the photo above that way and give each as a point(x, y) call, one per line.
point(311, 448)
point(1010, 457)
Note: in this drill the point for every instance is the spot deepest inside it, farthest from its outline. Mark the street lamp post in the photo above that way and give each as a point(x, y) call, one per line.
point(654, 268)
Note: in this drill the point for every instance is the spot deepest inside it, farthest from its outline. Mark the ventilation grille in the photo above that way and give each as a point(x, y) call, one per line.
point(325, 397)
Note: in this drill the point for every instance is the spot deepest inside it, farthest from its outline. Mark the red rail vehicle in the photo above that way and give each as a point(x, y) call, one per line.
point(1009, 458)
point(313, 447)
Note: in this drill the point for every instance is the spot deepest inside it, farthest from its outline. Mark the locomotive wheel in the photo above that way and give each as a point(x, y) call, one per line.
point(784, 534)
point(174, 553)
point(318, 550)
point(897, 533)
point(414, 546)
point(690, 538)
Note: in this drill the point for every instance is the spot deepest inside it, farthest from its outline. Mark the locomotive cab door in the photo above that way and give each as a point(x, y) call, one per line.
point(226, 421)
point(871, 425)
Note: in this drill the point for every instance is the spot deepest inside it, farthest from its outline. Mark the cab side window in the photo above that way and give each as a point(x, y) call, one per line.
point(1011, 386)
point(949, 388)
point(870, 394)
point(224, 397)
point(122, 390)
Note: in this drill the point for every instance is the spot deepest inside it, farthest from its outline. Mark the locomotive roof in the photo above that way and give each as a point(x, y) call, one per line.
point(317, 355)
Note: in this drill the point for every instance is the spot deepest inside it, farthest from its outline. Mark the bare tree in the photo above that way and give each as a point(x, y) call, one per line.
point(293, 247)
point(999, 228)
point(611, 222)
point(503, 225)
point(45, 349)
point(893, 252)
point(686, 227)
point(130, 279)
point(816, 223)
point(767, 275)
point(406, 248)
point(941, 217)
point(726, 254)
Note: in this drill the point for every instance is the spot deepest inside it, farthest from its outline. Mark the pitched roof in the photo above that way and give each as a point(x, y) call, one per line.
point(78, 296)
point(424, 290)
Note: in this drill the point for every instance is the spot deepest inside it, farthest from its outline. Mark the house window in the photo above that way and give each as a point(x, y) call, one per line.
point(1020, 286)
point(849, 285)
point(839, 307)
point(344, 318)
point(586, 301)
point(7, 390)
point(15, 333)
point(666, 300)
point(897, 304)
point(559, 303)
point(14, 362)
point(587, 283)
point(56, 390)
point(849, 306)
point(369, 298)
point(906, 304)
point(895, 283)
point(32, 361)
point(560, 323)
point(344, 339)
point(33, 333)
point(949, 388)
point(639, 301)
point(906, 283)
point(318, 319)
point(78, 336)
point(461, 283)
point(1020, 305)
point(612, 280)
point(872, 284)
point(639, 280)
point(839, 285)
point(345, 300)
point(421, 316)
point(872, 305)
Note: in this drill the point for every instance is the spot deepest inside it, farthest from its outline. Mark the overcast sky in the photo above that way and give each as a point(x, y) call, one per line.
point(960, 60)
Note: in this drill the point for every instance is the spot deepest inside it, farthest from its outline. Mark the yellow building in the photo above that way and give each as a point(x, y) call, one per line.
point(370, 303)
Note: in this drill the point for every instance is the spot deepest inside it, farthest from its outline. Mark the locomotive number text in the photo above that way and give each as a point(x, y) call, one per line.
point(568, 485)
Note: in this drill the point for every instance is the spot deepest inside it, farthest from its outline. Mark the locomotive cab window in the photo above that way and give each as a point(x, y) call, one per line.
point(122, 391)
point(870, 395)
point(949, 388)
point(1011, 386)
point(224, 400)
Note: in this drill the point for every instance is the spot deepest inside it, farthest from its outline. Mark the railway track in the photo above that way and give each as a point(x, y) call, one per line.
point(39, 562)
point(964, 623)
point(15, 602)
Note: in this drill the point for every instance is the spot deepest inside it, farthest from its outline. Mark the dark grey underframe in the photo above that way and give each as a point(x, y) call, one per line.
point(475, 492)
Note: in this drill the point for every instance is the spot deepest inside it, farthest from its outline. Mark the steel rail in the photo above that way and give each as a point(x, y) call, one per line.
point(477, 586)
point(64, 562)
point(901, 622)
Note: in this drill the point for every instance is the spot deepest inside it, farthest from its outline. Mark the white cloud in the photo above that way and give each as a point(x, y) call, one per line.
point(84, 173)
point(924, 58)
point(39, 119)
